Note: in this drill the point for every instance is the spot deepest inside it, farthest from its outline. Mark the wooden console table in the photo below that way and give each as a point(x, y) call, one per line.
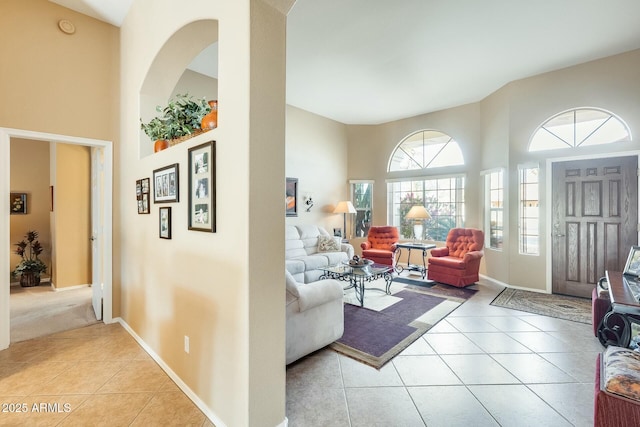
point(624, 292)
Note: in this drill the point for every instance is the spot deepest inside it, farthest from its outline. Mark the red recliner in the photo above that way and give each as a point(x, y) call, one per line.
point(380, 246)
point(457, 263)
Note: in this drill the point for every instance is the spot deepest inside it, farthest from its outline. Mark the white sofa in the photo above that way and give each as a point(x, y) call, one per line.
point(315, 316)
point(303, 258)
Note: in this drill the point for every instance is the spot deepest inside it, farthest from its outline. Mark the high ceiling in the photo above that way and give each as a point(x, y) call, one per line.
point(373, 61)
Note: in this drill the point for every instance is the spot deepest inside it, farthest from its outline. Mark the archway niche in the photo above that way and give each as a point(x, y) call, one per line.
point(170, 72)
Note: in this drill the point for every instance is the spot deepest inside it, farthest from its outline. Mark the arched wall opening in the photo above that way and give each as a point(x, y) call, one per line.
point(169, 73)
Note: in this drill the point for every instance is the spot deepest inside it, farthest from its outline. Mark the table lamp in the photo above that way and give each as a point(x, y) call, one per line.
point(418, 214)
point(344, 208)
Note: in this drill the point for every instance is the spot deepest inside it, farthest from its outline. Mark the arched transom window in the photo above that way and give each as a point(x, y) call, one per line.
point(580, 127)
point(425, 149)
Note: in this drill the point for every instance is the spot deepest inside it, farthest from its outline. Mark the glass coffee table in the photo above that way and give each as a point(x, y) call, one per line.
point(358, 276)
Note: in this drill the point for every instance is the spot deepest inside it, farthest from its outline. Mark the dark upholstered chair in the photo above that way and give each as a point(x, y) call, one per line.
point(457, 263)
point(380, 246)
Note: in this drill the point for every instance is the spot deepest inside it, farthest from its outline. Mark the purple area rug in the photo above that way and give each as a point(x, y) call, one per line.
point(375, 337)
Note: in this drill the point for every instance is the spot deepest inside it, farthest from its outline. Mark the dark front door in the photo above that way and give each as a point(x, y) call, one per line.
point(594, 220)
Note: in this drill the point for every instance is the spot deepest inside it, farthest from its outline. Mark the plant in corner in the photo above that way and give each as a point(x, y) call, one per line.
point(181, 117)
point(31, 266)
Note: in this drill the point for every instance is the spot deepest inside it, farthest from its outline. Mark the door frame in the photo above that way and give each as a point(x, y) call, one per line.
point(5, 173)
point(549, 207)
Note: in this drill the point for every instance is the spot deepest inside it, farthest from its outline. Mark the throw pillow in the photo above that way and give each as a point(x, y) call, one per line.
point(327, 244)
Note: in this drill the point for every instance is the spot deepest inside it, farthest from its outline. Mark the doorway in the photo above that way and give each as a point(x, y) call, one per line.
point(594, 220)
point(102, 289)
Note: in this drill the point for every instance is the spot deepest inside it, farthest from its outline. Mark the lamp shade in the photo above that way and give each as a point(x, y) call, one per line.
point(418, 212)
point(344, 207)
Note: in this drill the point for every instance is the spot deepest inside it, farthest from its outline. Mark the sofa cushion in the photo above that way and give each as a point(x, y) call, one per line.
point(449, 262)
point(294, 266)
point(334, 258)
point(328, 244)
point(622, 372)
point(313, 262)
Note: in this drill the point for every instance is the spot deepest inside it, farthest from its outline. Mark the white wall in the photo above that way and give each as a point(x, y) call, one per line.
point(214, 287)
point(316, 154)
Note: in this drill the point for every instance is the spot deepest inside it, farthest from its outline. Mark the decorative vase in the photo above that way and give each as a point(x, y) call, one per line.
point(210, 120)
point(160, 145)
point(28, 280)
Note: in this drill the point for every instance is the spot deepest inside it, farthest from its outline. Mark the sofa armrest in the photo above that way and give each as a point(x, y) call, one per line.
point(365, 245)
point(317, 293)
point(348, 248)
point(440, 251)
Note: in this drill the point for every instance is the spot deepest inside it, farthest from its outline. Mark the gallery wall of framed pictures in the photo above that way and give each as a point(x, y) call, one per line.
point(201, 208)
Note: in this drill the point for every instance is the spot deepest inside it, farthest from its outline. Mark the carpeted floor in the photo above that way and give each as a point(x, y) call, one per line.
point(390, 323)
point(553, 305)
point(38, 311)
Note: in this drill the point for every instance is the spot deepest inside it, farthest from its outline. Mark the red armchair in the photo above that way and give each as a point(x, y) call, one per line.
point(380, 246)
point(457, 263)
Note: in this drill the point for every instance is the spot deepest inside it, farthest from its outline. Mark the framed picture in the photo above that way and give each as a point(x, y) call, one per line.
point(18, 203)
point(202, 187)
point(142, 195)
point(165, 222)
point(632, 267)
point(291, 197)
point(165, 181)
point(337, 232)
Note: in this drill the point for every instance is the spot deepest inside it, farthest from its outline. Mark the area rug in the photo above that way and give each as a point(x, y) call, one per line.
point(374, 337)
point(552, 305)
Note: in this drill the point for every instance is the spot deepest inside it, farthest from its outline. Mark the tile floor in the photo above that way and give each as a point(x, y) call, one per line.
point(93, 376)
point(480, 366)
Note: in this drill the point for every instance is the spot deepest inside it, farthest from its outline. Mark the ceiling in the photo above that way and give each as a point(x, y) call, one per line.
point(373, 61)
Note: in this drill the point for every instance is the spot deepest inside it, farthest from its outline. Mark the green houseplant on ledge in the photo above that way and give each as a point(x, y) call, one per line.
point(31, 266)
point(180, 118)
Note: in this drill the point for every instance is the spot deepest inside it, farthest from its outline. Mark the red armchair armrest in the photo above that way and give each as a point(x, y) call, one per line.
point(473, 255)
point(365, 245)
point(440, 251)
point(394, 247)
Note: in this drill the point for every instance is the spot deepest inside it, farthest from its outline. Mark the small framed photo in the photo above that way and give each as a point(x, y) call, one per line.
point(632, 267)
point(142, 195)
point(202, 187)
point(337, 232)
point(143, 204)
point(165, 222)
point(165, 181)
point(291, 197)
point(18, 203)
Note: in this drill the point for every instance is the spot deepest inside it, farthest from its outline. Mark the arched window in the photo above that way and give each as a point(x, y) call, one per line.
point(425, 149)
point(580, 127)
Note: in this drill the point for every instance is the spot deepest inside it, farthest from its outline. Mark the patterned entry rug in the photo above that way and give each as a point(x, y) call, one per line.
point(388, 324)
point(553, 305)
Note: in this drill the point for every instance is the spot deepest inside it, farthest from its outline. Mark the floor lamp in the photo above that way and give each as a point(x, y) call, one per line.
point(418, 214)
point(345, 208)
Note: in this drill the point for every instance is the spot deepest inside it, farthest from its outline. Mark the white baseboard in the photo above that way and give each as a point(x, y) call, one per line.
point(190, 394)
point(69, 288)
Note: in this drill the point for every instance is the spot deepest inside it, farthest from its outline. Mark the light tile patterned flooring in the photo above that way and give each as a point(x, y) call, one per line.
point(93, 376)
point(480, 366)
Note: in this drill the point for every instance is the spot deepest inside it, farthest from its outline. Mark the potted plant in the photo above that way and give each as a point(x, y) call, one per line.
point(31, 266)
point(181, 117)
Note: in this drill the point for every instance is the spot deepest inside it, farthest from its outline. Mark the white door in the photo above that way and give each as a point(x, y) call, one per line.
point(97, 177)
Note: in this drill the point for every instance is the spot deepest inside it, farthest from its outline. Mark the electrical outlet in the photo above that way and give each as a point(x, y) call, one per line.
point(186, 344)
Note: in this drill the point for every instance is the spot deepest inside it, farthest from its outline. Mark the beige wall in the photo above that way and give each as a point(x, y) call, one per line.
point(71, 264)
point(221, 289)
point(494, 133)
point(30, 174)
point(59, 83)
point(317, 155)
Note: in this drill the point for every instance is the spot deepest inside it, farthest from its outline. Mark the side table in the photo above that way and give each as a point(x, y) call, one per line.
point(409, 246)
